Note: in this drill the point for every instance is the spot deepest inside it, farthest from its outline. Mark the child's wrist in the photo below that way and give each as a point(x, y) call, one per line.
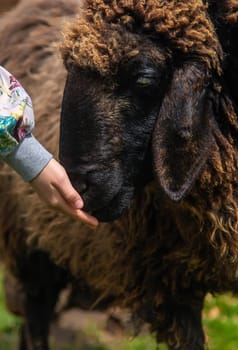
point(29, 158)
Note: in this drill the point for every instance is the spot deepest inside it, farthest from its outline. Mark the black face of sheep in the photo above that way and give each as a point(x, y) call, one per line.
point(106, 128)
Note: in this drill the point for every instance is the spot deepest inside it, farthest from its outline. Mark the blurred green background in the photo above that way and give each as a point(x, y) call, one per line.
point(220, 323)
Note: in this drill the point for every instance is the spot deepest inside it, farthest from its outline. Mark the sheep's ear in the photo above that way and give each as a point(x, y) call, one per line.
point(182, 136)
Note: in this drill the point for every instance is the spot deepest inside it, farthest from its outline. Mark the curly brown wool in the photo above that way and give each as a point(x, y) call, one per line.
point(183, 26)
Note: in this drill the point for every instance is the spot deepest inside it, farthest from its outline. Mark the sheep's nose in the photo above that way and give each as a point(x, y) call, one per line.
point(81, 186)
point(78, 182)
point(81, 174)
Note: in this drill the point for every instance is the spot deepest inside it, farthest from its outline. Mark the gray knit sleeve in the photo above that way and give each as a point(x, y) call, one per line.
point(29, 158)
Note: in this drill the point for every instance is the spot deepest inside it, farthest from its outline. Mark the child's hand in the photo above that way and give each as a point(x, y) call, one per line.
point(54, 187)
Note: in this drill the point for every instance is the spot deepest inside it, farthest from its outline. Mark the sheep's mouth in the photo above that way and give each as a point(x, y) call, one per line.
point(110, 201)
point(115, 207)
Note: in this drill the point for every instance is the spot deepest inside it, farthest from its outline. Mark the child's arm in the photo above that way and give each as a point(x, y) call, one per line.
point(18, 147)
point(28, 157)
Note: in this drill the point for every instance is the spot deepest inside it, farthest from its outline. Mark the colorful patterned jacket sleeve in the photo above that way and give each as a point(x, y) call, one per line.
point(18, 147)
point(16, 113)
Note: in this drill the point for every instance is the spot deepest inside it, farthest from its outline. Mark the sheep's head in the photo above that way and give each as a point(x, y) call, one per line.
point(119, 68)
point(107, 122)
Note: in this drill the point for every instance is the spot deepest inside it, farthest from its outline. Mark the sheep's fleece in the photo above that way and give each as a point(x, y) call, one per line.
point(161, 257)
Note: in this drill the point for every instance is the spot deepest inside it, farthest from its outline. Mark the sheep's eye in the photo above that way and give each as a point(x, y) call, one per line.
point(139, 79)
point(147, 78)
point(145, 81)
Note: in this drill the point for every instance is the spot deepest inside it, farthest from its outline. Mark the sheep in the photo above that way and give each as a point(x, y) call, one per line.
point(143, 91)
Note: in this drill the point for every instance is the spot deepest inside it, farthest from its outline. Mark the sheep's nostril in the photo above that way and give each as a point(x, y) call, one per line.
point(185, 133)
point(78, 182)
point(81, 187)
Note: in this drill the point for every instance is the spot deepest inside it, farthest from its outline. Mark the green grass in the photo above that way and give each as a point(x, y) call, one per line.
point(140, 343)
point(9, 325)
point(8, 322)
point(220, 322)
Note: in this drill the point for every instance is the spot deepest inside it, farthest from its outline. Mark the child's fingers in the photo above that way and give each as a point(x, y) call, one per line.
point(63, 206)
point(70, 195)
point(54, 187)
point(86, 218)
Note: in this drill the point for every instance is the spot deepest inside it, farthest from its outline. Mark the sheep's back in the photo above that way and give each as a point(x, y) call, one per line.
point(28, 38)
